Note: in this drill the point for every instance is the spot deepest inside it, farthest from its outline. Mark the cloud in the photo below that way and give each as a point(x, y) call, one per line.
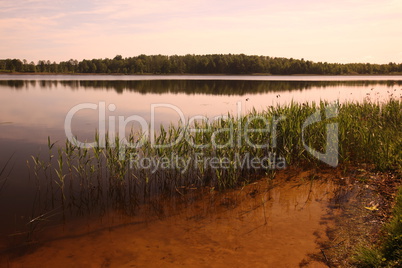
point(322, 30)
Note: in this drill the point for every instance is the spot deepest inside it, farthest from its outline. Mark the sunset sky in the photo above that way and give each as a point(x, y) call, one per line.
point(319, 30)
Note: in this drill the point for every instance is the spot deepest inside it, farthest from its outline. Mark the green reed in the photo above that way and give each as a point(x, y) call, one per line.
point(212, 153)
point(372, 133)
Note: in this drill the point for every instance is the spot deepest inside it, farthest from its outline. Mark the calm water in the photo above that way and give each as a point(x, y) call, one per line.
point(33, 107)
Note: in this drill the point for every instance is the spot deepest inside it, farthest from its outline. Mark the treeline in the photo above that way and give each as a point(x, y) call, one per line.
point(198, 64)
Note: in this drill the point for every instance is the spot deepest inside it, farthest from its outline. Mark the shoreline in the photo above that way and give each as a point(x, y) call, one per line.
point(192, 74)
point(334, 222)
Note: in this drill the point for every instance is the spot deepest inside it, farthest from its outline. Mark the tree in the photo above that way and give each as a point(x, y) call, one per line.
point(190, 63)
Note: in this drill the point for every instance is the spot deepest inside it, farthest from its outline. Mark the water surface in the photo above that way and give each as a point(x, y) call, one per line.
point(34, 107)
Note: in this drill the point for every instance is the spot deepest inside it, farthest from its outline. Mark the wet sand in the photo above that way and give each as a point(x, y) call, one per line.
point(270, 223)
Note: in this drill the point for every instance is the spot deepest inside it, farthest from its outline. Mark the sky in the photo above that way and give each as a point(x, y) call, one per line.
point(318, 30)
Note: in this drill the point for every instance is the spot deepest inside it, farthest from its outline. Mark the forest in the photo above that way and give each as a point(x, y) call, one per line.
point(197, 64)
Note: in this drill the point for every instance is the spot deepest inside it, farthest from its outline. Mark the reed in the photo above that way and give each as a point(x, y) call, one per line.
point(5, 171)
point(211, 153)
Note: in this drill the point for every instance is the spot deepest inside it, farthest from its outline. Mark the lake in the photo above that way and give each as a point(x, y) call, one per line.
point(35, 107)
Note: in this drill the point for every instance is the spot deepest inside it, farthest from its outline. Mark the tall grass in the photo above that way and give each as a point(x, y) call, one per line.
point(372, 133)
point(367, 132)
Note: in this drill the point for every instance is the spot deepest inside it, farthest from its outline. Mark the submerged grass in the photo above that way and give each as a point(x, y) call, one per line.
point(3, 171)
point(389, 251)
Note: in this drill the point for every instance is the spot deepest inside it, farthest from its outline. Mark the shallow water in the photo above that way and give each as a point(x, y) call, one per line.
point(35, 107)
point(270, 223)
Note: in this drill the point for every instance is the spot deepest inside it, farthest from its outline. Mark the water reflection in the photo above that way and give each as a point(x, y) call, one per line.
point(208, 87)
point(31, 110)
